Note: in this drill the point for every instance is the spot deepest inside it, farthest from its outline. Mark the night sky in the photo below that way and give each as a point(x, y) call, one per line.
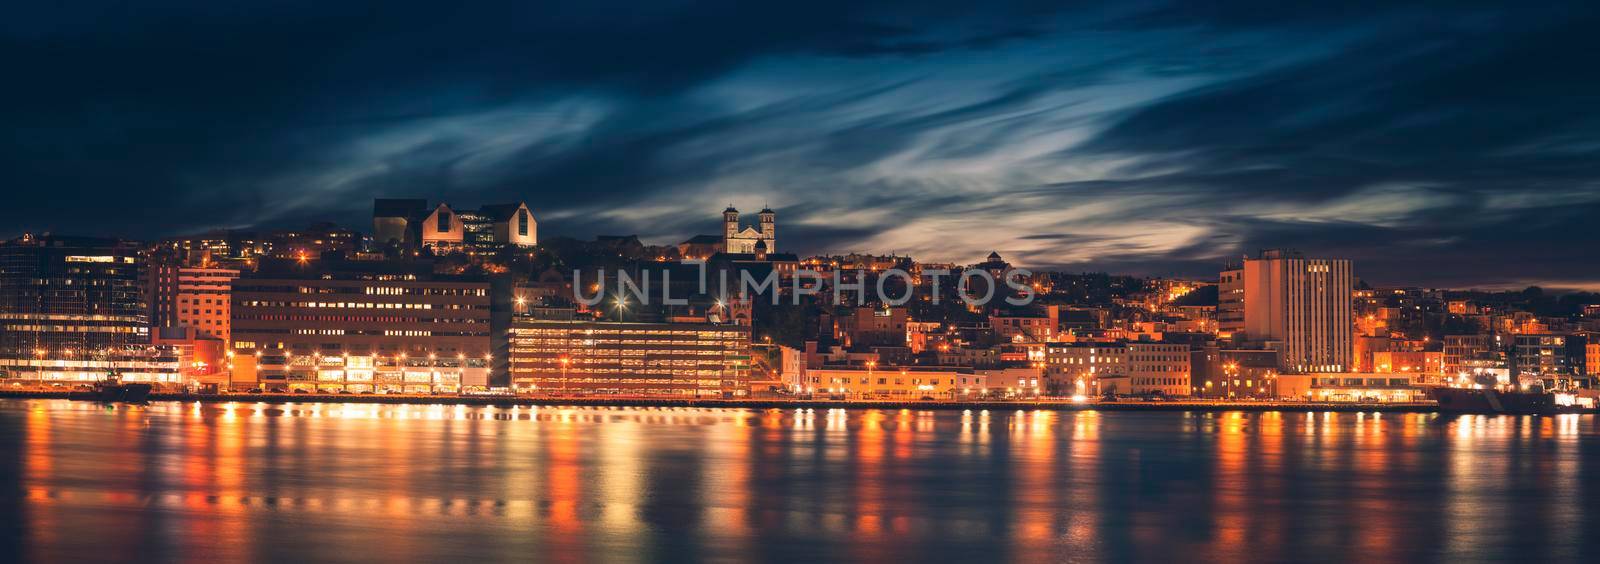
point(1452, 143)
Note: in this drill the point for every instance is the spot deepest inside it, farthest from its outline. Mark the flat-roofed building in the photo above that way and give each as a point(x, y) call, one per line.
point(1076, 368)
point(1302, 306)
point(1352, 387)
point(195, 298)
point(1470, 354)
point(620, 358)
point(352, 326)
point(1158, 368)
point(898, 382)
point(72, 309)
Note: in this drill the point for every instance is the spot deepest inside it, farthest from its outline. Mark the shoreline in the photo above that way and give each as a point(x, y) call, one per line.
point(759, 403)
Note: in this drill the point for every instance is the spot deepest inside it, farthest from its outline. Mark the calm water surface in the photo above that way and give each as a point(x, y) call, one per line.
point(204, 483)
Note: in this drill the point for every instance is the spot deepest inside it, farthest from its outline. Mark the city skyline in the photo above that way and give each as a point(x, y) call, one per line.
point(1430, 147)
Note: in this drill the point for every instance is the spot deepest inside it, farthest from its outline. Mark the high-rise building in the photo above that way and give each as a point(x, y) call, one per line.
point(1300, 306)
point(659, 359)
point(1230, 302)
point(196, 298)
point(72, 309)
point(360, 326)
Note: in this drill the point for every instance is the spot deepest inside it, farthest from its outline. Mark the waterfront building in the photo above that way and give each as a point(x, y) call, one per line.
point(360, 326)
point(1128, 368)
point(1469, 354)
point(1077, 367)
point(72, 310)
point(620, 358)
point(897, 382)
point(1430, 364)
point(1302, 307)
point(1236, 373)
point(1157, 368)
point(1555, 360)
point(192, 297)
point(1019, 380)
point(202, 360)
point(1352, 387)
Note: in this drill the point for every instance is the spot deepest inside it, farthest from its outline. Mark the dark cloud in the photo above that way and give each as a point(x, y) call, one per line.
point(1449, 143)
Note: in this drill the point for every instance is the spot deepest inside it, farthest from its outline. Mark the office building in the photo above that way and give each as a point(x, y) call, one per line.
point(1230, 302)
point(1301, 307)
point(192, 297)
point(897, 382)
point(619, 358)
point(72, 310)
point(1157, 368)
point(1077, 367)
point(1555, 360)
point(352, 326)
point(1471, 354)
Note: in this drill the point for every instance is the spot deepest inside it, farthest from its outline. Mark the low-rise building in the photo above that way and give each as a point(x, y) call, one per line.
point(898, 382)
point(1352, 387)
point(1158, 368)
point(618, 358)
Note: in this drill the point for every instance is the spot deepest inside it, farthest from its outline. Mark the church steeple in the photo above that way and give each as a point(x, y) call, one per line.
point(730, 224)
point(769, 228)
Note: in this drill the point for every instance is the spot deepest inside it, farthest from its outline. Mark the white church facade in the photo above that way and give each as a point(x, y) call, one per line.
point(749, 240)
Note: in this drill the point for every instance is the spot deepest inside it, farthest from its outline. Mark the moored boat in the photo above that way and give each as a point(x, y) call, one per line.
point(113, 390)
point(1490, 401)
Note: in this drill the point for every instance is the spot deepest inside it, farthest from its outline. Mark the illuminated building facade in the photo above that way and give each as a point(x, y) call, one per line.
point(1157, 368)
point(1077, 368)
point(1555, 360)
point(196, 298)
point(746, 241)
point(1471, 354)
point(617, 358)
point(897, 382)
point(1230, 302)
point(1301, 307)
point(72, 309)
point(1352, 387)
point(480, 230)
point(360, 328)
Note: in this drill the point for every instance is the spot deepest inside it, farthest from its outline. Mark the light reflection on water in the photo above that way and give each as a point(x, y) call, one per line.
point(249, 481)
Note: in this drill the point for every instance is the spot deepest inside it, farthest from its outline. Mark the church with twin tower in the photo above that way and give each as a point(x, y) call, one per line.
point(748, 240)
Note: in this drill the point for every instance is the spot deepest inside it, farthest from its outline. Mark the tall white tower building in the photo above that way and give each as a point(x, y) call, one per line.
point(1301, 307)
